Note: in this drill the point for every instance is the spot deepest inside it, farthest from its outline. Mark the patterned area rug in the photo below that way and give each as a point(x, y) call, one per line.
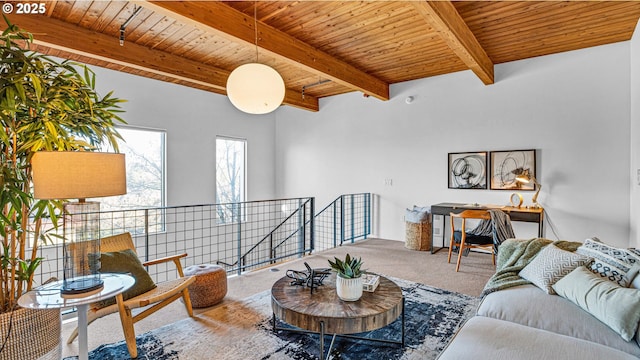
point(242, 330)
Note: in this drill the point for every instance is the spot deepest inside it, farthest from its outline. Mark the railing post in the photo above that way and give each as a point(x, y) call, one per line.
point(335, 223)
point(302, 226)
point(367, 214)
point(364, 215)
point(312, 232)
point(353, 217)
point(341, 219)
point(239, 235)
point(146, 234)
point(271, 250)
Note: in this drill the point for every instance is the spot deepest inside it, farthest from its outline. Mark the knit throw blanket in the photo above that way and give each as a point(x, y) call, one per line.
point(513, 256)
point(499, 227)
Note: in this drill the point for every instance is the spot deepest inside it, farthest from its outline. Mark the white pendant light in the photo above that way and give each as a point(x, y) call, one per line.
point(255, 88)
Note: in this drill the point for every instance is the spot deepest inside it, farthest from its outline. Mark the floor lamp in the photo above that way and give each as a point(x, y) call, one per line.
point(79, 175)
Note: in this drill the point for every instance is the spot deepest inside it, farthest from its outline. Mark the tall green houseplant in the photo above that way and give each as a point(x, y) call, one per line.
point(44, 105)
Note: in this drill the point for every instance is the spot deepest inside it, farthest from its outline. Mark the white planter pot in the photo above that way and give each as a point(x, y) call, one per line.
point(349, 289)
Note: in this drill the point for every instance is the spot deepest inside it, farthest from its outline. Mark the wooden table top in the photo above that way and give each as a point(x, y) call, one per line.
point(296, 306)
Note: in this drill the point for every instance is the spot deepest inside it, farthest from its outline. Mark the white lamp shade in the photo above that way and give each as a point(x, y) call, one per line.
point(77, 174)
point(255, 88)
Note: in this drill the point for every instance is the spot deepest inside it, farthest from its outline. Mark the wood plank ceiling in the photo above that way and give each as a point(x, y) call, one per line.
point(321, 48)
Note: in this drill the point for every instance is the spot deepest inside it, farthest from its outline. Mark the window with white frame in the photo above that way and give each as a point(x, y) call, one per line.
point(230, 178)
point(144, 151)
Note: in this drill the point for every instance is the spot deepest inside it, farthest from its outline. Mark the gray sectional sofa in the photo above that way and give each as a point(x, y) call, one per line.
point(522, 321)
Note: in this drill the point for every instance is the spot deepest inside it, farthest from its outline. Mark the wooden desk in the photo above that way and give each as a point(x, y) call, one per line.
point(523, 214)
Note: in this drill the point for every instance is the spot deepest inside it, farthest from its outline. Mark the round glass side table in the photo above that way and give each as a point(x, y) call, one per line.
point(49, 297)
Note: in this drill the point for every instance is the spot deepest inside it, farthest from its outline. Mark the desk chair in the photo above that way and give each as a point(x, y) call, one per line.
point(466, 241)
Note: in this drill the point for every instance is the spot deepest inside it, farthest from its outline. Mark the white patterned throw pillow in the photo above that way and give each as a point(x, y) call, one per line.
point(550, 265)
point(609, 262)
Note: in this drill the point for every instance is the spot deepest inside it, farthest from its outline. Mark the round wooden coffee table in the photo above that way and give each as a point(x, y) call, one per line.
point(324, 313)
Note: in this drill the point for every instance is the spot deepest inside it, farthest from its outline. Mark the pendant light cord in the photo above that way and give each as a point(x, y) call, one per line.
point(255, 25)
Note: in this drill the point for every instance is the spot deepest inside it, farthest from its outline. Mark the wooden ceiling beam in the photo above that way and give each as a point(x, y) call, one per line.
point(217, 17)
point(56, 34)
point(444, 18)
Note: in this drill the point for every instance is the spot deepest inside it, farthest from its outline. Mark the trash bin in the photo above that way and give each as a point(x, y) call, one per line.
point(418, 228)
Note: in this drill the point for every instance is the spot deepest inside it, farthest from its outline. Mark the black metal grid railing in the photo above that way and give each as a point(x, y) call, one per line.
point(260, 233)
point(239, 245)
point(346, 219)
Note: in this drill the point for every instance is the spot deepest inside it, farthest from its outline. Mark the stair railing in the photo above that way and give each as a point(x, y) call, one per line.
point(261, 233)
point(300, 211)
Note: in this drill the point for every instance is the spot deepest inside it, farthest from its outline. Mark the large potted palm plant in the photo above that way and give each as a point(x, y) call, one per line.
point(44, 105)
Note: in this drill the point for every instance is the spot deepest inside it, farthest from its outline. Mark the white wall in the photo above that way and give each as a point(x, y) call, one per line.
point(573, 107)
point(192, 119)
point(635, 139)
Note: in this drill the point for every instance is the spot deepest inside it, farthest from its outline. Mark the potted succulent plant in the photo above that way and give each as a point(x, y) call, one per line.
point(349, 278)
point(44, 105)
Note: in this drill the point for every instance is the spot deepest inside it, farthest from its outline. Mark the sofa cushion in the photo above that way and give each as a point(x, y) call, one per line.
point(530, 306)
point(551, 264)
point(485, 338)
point(635, 283)
point(616, 306)
point(609, 262)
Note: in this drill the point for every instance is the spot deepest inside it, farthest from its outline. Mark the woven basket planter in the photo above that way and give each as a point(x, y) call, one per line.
point(34, 334)
point(418, 236)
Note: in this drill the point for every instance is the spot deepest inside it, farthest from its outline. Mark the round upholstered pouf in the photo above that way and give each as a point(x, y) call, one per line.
point(210, 286)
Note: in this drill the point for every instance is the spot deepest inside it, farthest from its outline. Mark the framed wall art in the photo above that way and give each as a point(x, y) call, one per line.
point(468, 170)
point(505, 166)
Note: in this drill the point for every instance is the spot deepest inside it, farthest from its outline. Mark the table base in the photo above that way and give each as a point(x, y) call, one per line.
point(347, 336)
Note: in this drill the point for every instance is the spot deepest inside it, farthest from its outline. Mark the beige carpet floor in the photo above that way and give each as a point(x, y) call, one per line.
point(385, 257)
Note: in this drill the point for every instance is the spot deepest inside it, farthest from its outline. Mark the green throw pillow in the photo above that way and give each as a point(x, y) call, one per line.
point(125, 262)
point(616, 306)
